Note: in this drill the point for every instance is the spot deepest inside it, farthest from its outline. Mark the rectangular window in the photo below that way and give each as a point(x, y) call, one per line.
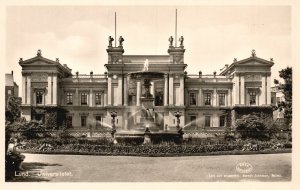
point(39, 97)
point(193, 120)
point(98, 121)
point(9, 92)
point(69, 121)
point(207, 99)
point(252, 98)
point(207, 121)
point(222, 121)
point(84, 98)
point(132, 100)
point(69, 98)
point(98, 99)
point(222, 99)
point(193, 99)
point(159, 97)
point(83, 121)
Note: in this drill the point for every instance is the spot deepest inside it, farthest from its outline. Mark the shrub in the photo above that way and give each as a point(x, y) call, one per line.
point(251, 126)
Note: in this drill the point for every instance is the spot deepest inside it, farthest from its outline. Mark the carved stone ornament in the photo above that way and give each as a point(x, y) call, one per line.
point(39, 52)
point(177, 59)
point(253, 53)
point(39, 77)
point(115, 59)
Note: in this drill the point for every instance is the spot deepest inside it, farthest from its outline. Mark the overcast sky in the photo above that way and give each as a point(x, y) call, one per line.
point(214, 35)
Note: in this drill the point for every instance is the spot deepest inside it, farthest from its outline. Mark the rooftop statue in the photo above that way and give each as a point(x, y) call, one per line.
point(39, 52)
point(171, 41)
point(181, 39)
point(110, 40)
point(121, 40)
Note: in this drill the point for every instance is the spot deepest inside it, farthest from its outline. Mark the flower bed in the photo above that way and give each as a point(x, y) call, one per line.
point(104, 147)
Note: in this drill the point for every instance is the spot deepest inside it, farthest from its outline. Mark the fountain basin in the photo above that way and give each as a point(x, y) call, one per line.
point(156, 137)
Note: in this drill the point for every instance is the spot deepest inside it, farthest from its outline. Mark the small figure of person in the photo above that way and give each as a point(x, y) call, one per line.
point(16, 157)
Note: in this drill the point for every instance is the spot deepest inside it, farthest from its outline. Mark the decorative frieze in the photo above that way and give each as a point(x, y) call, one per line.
point(39, 77)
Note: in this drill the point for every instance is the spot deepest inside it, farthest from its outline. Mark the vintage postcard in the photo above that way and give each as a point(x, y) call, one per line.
point(108, 93)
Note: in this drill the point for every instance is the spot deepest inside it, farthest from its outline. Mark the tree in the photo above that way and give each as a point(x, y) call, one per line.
point(13, 109)
point(286, 88)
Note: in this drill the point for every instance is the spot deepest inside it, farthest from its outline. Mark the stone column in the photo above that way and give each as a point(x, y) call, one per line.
point(262, 97)
point(105, 98)
point(242, 89)
point(91, 104)
point(109, 90)
point(125, 91)
point(171, 90)
point(268, 86)
point(237, 89)
point(138, 93)
point(29, 89)
point(76, 99)
point(49, 94)
point(166, 91)
point(229, 97)
point(200, 101)
point(24, 98)
point(119, 90)
point(54, 90)
point(181, 93)
point(215, 96)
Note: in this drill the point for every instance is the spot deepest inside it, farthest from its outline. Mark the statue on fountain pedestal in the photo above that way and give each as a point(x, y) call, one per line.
point(146, 65)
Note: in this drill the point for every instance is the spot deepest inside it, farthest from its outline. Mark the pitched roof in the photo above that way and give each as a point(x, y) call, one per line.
point(9, 80)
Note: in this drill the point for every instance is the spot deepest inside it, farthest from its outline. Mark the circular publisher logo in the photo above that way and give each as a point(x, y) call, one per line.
point(244, 167)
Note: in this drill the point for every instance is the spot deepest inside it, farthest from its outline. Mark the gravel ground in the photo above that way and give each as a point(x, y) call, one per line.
point(85, 168)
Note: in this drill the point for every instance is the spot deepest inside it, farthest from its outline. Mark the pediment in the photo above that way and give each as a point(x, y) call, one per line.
point(38, 60)
point(254, 61)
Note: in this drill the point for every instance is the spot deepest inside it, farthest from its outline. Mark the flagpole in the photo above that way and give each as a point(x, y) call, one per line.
point(115, 29)
point(176, 28)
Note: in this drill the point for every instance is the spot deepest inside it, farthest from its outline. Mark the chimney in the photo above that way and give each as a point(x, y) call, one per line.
point(12, 73)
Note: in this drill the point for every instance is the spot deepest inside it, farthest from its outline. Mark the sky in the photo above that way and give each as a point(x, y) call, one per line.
point(213, 35)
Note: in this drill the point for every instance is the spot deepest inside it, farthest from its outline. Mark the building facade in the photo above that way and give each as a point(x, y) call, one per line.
point(11, 87)
point(205, 101)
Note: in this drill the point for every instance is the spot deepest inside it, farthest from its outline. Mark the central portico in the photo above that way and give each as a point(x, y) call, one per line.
point(126, 93)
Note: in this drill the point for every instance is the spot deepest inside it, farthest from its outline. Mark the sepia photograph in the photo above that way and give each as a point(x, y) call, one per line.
point(148, 93)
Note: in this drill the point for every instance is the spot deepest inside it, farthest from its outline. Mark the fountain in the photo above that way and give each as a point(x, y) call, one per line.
point(147, 128)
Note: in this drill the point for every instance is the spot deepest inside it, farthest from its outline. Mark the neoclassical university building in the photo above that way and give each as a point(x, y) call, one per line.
point(205, 101)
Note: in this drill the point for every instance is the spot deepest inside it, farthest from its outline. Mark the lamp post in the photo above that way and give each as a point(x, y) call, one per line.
point(113, 114)
point(177, 114)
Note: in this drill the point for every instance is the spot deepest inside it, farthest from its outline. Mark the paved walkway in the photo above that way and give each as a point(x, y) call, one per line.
point(268, 167)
